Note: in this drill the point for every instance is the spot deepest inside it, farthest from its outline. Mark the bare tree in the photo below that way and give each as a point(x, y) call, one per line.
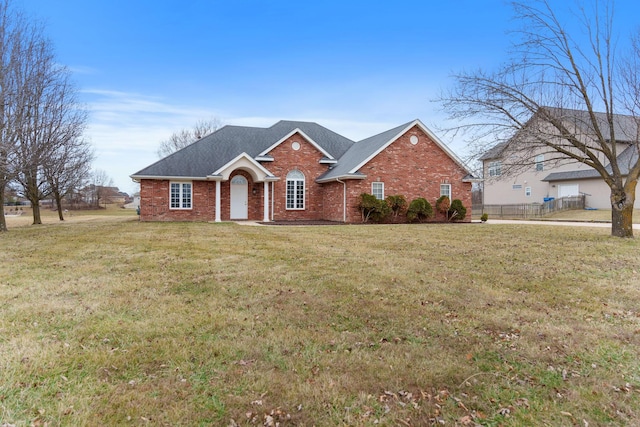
point(102, 186)
point(67, 169)
point(50, 117)
point(559, 95)
point(185, 137)
point(12, 28)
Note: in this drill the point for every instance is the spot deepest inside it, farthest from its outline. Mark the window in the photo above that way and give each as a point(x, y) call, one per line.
point(295, 190)
point(377, 189)
point(180, 195)
point(527, 191)
point(540, 162)
point(516, 187)
point(495, 168)
point(445, 190)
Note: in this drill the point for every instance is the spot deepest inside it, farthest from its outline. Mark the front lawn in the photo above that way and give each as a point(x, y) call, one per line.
point(117, 322)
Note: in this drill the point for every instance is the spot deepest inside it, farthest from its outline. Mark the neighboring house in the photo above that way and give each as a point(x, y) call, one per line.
point(297, 171)
point(545, 174)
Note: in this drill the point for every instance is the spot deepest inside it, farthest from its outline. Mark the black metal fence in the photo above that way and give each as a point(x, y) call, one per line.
point(531, 210)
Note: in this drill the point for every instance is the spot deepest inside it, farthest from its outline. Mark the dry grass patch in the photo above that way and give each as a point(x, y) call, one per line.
point(196, 324)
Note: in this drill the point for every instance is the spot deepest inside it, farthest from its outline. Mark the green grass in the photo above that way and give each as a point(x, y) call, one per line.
point(603, 215)
point(113, 322)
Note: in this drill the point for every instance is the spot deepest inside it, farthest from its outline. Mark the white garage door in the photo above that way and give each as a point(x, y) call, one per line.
point(566, 190)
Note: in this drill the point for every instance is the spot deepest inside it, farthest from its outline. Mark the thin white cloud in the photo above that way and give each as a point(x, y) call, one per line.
point(126, 129)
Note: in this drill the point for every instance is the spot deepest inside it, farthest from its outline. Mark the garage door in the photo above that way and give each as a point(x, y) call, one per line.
point(566, 190)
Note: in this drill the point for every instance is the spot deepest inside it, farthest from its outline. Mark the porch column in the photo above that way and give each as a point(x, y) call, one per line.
point(217, 201)
point(265, 217)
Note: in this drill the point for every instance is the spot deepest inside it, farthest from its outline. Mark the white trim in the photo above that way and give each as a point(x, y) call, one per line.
point(264, 159)
point(137, 178)
point(430, 134)
point(324, 161)
point(295, 191)
point(218, 217)
point(260, 173)
point(265, 204)
point(181, 196)
point(289, 135)
point(373, 192)
point(341, 177)
point(450, 195)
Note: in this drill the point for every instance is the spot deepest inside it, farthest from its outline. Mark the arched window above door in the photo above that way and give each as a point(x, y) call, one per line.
point(239, 180)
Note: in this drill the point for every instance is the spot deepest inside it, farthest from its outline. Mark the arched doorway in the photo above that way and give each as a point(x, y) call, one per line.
point(239, 197)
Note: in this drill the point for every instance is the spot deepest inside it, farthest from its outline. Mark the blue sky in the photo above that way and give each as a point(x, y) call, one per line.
point(146, 68)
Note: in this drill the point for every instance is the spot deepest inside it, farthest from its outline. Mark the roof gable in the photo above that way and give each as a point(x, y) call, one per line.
point(365, 150)
point(245, 162)
point(304, 135)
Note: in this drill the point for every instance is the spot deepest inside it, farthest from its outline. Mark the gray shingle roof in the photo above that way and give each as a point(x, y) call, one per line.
point(571, 175)
point(625, 160)
point(210, 153)
point(626, 128)
point(494, 152)
point(360, 151)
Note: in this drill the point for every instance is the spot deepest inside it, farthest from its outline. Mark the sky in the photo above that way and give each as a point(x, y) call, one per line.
point(148, 68)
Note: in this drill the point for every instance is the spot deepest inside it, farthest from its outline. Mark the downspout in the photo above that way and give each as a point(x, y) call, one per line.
point(344, 199)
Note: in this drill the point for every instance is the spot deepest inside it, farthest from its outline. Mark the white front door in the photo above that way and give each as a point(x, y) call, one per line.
point(239, 197)
point(567, 190)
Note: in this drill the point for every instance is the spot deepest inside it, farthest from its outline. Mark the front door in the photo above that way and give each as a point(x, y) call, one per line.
point(239, 197)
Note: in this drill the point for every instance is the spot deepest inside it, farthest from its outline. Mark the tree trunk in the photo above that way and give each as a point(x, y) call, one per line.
point(3, 220)
point(622, 213)
point(56, 195)
point(36, 212)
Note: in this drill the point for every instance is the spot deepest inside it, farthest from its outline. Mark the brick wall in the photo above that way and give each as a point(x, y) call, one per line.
point(410, 170)
point(154, 202)
point(306, 159)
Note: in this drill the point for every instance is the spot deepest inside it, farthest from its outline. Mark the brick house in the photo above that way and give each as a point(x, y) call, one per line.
point(298, 171)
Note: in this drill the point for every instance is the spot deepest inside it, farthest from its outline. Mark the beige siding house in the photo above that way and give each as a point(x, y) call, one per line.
point(534, 175)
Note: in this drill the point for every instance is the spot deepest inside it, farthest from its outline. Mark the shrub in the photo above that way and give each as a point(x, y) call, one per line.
point(419, 209)
point(398, 204)
point(442, 205)
point(484, 217)
point(372, 208)
point(457, 211)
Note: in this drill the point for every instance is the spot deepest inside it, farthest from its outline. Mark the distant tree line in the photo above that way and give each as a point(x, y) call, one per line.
point(42, 150)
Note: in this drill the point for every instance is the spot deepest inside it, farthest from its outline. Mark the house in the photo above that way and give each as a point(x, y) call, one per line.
point(298, 171)
point(513, 176)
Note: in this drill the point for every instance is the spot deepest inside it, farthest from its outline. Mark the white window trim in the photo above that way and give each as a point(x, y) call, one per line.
point(295, 190)
point(527, 191)
point(539, 162)
point(181, 197)
point(495, 168)
point(448, 195)
point(381, 184)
